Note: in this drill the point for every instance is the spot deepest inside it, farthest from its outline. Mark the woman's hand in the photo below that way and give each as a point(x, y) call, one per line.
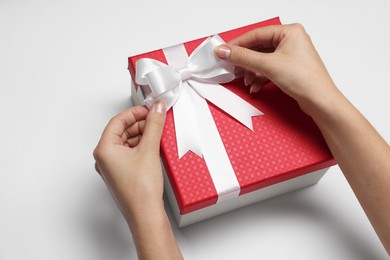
point(285, 55)
point(127, 157)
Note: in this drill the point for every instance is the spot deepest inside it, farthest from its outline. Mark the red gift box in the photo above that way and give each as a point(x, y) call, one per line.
point(285, 151)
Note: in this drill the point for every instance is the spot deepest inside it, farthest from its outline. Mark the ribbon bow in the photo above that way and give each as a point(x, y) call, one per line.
point(185, 84)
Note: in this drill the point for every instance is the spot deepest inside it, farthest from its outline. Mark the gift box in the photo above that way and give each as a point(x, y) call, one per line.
point(214, 158)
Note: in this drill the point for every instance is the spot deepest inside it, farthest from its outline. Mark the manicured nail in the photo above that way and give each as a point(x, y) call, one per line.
point(160, 107)
point(223, 52)
point(255, 88)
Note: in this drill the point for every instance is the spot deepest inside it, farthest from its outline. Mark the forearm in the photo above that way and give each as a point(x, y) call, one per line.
point(152, 233)
point(362, 154)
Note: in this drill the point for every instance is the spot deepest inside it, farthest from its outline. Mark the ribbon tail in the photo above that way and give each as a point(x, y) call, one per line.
point(229, 102)
point(186, 124)
point(214, 152)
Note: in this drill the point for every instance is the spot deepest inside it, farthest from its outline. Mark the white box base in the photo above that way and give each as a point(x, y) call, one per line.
point(240, 201)
point(232, 204)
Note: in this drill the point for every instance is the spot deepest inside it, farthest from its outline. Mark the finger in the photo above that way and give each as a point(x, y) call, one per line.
point(135, 129)
point(118, 124)
point(263, 38)
point(257, 85)
point(243, 57)
point(133, 141)
point(238, 70)
point(154, 126)
point(249, 77)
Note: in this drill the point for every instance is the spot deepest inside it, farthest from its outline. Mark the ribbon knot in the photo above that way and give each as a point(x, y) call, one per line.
point(185, 73)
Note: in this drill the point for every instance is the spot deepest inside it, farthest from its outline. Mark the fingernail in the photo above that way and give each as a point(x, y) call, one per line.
point(222, 52)
point(160, 107)
point(254, 88)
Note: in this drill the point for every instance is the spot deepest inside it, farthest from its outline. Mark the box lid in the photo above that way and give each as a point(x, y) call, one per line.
point(285, 142)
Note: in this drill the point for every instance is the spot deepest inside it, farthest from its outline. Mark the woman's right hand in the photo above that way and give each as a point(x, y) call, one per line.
point(285, 55)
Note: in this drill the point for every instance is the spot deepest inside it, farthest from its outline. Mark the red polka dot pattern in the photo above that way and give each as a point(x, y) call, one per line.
point(285, 142)
point(189, 176)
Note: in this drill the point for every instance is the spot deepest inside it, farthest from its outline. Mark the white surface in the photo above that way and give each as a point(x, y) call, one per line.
point(63, 76)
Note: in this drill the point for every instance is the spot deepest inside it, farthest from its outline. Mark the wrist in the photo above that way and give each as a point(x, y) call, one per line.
point(322, 102)
point(144, 210)
point(152, 233)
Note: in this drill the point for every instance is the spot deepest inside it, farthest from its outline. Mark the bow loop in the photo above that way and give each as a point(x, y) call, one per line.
point(163, 79)
point(143, 67)
point(202, 66)
point(206, 66)
point(203, 58)
point(223, 72)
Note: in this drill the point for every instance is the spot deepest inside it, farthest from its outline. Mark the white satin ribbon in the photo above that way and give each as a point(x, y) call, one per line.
point(185, 84)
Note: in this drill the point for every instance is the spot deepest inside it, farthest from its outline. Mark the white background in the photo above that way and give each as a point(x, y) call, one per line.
point(63, 75)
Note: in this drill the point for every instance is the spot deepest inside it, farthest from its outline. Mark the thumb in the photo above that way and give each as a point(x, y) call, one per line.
point(154, 125)
point(243, 57)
